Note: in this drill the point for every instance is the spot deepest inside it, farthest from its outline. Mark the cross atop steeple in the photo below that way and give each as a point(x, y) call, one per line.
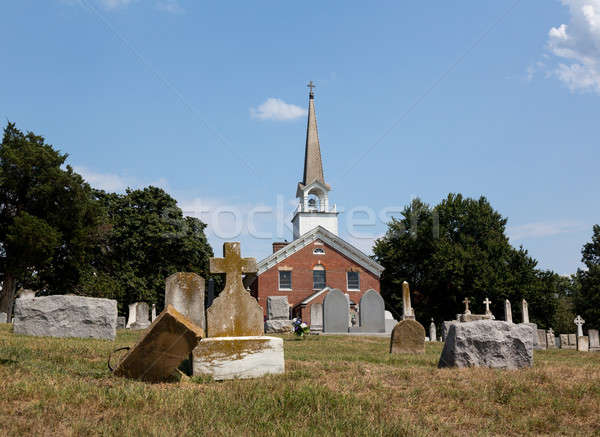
point(311, 85)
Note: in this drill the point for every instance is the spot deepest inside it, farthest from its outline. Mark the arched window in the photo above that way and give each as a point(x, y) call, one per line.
point(318, 251)
point(319, 278)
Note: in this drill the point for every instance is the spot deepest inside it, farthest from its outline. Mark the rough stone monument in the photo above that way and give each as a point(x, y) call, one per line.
point(432, 333)
point(335, 312)
point(185, 291)
point(488, 343)
point(66, 316)
point(235, 346)
point(278, 315)
point(139, 314)
point(408, 313)
point(507, 311)
point(372, 312)
point(169, 340)
point(408, 337)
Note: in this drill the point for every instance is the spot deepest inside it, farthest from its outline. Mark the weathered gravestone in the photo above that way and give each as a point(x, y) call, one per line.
point(121, 322)
point(488, 343)
point(185, 291)
point(153, 317)
point(550, 340)
point(525, 311)
point(564, 341)
point(236, 347)
point(278, 314)
point(542, 339)
point(407, 310)
point(3, 318)
point(316, 316)
point(579, 322)
point(169, 340)
point(139, 314)
point(408, 337)
point(372, 312)
point(583, 344)
point(66, 316)
point(390, 322)
point(507, 311)
point(594, 340)
point(432, 333)
point(335, 312)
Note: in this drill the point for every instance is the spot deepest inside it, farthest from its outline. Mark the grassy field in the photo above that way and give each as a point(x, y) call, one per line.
point(332, 386)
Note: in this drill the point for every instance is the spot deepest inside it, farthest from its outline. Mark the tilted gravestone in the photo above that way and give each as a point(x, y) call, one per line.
point(372, 312)
point(488, 343)
point(185, 291)
point(408, 337)
point(66, 316)
point(335, 312)
point(170, 340)
point(278, 313)
point(236, 347)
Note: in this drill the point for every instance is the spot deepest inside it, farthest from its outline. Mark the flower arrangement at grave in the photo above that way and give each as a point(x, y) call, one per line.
point(300, 328)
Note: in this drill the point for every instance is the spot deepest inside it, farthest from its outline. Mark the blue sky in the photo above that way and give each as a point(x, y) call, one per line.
point(208, 100)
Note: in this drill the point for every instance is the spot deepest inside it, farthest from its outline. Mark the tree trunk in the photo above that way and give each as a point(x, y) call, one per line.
point(8, 295)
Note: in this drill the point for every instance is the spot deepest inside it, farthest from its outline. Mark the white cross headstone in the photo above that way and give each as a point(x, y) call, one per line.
point(487, 303)
point(579, 322)
point(466, 302)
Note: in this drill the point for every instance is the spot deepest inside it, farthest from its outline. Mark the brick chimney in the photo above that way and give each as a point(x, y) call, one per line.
point(278, 245)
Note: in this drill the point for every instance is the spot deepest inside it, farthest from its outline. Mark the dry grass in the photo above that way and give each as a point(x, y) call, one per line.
point(332, 386)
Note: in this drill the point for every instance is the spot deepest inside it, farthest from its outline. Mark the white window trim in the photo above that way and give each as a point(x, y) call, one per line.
point(348, 285)
point(279, 280)
point(319, 270)
point(316, 249)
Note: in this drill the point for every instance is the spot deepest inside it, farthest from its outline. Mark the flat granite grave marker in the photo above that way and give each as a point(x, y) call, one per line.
point(236, 347)
point(372, 312)
point(488, 343)
point(408, 337)
point(169, 340)
point(185, 291)
point(66, 316)
point(335, 312)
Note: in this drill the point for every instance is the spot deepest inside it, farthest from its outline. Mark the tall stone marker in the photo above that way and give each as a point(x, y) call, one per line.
point(169, 340)
point(432, 331)
point(507, 311)
point(372, 312)
point(579, 323)
point(488, 343)
point(66, 316)
point(408, 337)
point(236, 346)
point(335, 312)
point(185, 291)
point(407, 310)
point(525, 311)
point(594, 340)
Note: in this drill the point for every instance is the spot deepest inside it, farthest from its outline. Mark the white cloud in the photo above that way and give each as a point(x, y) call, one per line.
point(277, 109)
point(543, 229)
point(113, 4)
point(170, 6)
point(113, 182)
point(577, 45)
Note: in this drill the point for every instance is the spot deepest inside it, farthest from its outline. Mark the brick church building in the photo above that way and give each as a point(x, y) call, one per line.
point(317, 259)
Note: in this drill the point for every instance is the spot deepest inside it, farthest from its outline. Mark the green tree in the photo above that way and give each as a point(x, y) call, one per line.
point(49, 217)
point(150, 239)
point(587, 299)
point(455, 250)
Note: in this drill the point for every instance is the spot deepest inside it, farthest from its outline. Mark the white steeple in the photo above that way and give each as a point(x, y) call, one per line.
point(313, 193)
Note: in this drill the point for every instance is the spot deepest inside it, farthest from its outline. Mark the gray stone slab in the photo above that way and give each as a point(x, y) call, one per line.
point(594, 339)
point(446, 327)
point(534, 338)
point(139, 316)
point(542, 339)
point(488, 343)
point(573, 340)
point(66, 316)
point(316, 316)
point(372, 312)
point(564, 341)
point(278, 326)
point(121, 322)
point(583, 344)
point(185, 292)
point(335, 312)
point(278, 308)
point(3, 318)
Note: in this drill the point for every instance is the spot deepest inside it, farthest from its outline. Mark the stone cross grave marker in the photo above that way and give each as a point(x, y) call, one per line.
point(487, 303)
point(235, 313)
point(466, 302)
point(185, 291)
point(579, 322)
point(407, 310)
point(525, 311)
point(507, 311)
point(550, 340)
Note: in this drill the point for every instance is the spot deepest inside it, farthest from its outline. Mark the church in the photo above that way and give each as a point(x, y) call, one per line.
point(317, 259)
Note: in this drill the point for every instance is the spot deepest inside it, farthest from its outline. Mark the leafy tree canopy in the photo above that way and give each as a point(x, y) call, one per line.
point(587, 298)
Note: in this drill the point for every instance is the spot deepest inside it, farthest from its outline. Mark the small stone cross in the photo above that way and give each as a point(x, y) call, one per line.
point(487, 303)
point(233, 265)
point(579, 322)
point(466, 302)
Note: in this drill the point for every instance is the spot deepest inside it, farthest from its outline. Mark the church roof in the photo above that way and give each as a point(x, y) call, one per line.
point(313, 165)
point(329, 238)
